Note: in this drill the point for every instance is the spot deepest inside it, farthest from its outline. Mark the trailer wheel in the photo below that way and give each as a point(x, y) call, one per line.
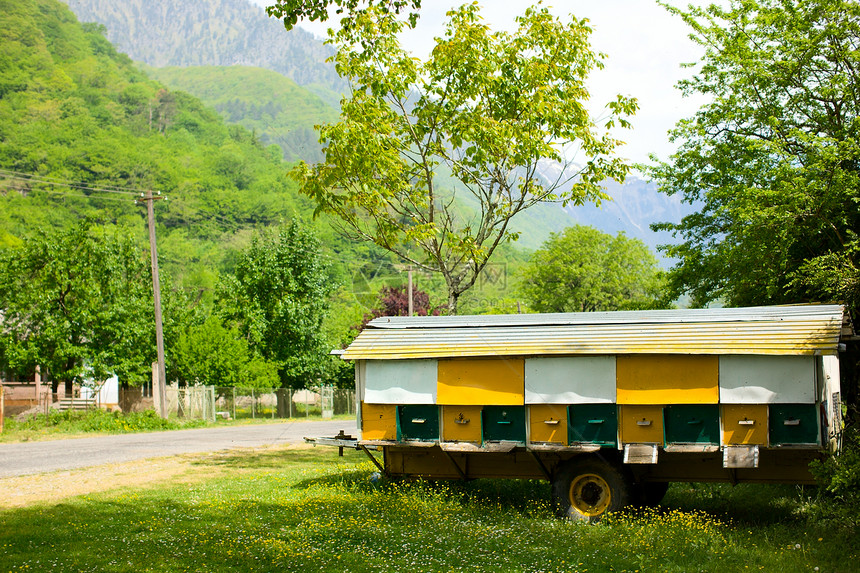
point(650, 493)
point(585, 490)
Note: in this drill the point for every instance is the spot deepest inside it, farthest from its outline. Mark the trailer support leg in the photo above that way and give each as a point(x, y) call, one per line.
point(376, 463)
point(541, 465)
point(455, 464)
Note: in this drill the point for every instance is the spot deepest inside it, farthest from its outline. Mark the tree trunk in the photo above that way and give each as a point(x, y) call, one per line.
point(453, 297)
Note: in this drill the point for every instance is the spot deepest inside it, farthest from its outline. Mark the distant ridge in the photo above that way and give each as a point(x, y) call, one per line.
point(213, 32)
point(265, 102)
point(187, 33)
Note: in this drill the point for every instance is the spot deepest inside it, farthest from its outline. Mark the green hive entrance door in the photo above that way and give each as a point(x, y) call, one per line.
point(593, 424)
point(692, 423)
point(418, 422)
point(504, 423)
point(793, 424)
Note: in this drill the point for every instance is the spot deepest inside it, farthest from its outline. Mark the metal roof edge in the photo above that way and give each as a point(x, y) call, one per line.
point(738, 314)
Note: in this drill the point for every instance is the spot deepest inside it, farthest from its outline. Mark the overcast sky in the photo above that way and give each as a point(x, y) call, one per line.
point(645, 46)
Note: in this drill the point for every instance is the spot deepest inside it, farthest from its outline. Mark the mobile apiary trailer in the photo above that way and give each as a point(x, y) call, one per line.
point(608, 406)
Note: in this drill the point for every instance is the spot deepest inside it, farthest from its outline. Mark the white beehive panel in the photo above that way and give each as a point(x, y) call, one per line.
point(767, 379)
point(570, 380)
point(400, 382)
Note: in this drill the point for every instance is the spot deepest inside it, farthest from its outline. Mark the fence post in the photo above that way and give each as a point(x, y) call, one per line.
point(2, 407)
point(157, 397)
point(234, 402)
point(212, 403)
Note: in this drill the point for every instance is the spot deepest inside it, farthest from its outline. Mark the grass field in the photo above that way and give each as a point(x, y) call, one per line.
point(308, 510)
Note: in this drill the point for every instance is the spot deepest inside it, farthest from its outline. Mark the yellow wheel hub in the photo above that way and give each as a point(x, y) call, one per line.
point(590, 495)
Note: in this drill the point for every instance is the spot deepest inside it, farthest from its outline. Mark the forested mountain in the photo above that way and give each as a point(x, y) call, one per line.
point(72, 108)
point(265, 102)
point(213, 32)
point(163, 32)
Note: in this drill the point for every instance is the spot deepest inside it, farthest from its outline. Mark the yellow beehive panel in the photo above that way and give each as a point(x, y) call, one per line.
point(479, 382)
point(378, 421)
point(744, 424)
point(641, 424)
point(667, 379)
point(461, 423)
point(548, 423)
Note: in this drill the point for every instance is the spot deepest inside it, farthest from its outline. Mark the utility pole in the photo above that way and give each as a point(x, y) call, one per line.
point(156, 296)
point(410, 291)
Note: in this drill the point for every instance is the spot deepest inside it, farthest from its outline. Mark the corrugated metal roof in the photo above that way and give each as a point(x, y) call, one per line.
point(801, 329)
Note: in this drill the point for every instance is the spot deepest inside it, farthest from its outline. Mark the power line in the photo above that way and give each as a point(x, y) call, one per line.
point(48, 180)
point(65, 194)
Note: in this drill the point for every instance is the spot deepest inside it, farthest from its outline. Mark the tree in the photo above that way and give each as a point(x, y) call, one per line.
point(210, 353)
point(773, 159)
point(584, 270)
point(278, 299)
point(291, 11)
point(490, 109)
point(394, 301)
point(78, 303)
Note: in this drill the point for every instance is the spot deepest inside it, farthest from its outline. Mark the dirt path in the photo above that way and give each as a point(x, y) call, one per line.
point(53, 487)
point(19, 459)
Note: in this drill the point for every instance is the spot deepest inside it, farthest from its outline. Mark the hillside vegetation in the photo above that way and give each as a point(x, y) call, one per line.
point(266, 103)
point(72, 108)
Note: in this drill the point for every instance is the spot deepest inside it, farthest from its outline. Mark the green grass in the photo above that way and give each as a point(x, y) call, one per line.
point(71, 423)
point(308, 510)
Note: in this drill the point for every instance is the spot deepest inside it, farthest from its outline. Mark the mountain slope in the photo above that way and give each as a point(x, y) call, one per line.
point(74, 109)
point(213, 32)
point(265, 102)
point(224, 32)
point(635, 205)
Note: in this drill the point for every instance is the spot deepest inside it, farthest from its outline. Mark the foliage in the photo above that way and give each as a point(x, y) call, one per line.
point(97, 420)
point(278, 299)
point(584, 270)
point(291, 11)
point(394, 301)
point(215, 355)
point(331, 517)
point(772, 158)
point(73, 109)
point(839, 476)
point(78, 303)
point(488, 107)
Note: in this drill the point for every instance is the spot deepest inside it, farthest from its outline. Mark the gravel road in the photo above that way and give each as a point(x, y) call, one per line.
point(38, 457)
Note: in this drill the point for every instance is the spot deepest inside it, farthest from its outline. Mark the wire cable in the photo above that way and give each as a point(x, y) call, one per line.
point(48, 180)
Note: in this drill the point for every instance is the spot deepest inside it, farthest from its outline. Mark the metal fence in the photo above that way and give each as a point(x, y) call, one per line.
point(237, 402)
point(191, 402)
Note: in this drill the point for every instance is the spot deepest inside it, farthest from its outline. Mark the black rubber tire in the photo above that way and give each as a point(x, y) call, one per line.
point(586, 489)
point(650, 493)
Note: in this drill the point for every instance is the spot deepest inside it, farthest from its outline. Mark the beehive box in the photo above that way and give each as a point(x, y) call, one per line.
point(758, 377)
